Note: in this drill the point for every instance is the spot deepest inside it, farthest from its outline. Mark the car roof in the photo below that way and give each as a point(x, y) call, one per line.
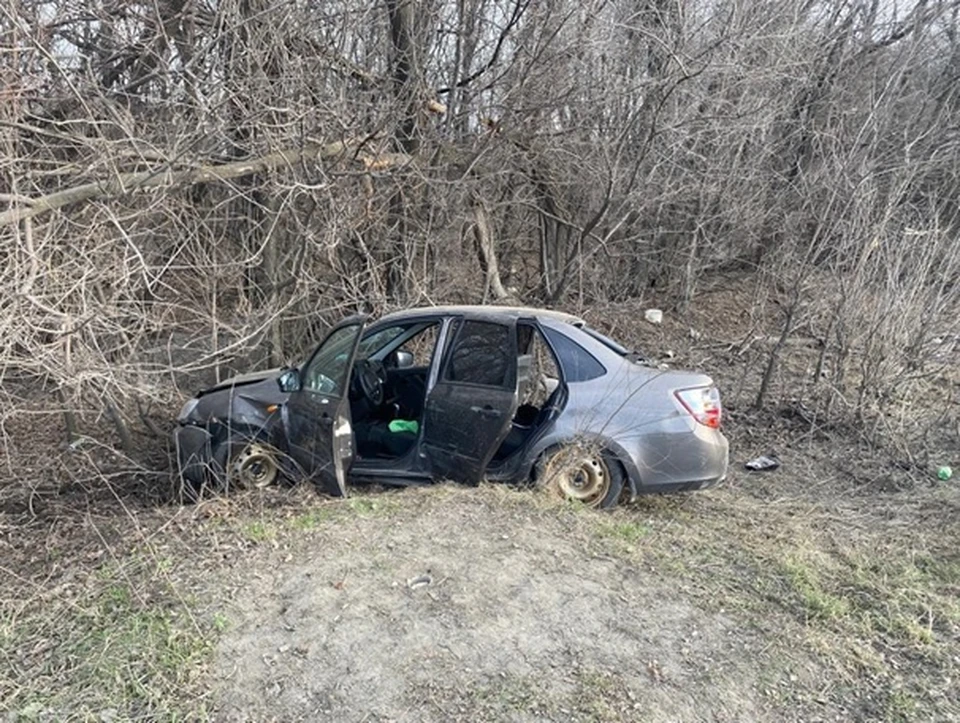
point(476, 310)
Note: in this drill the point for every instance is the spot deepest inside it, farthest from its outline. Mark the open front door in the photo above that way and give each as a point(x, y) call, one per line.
point(318, 411)
point(469, 410)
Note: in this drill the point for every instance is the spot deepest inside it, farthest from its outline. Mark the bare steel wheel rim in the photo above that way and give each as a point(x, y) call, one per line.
point(578, 475)
point(255, 466)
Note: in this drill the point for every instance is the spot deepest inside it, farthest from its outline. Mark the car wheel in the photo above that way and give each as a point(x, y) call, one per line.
point(245, 464)
point(581, 473)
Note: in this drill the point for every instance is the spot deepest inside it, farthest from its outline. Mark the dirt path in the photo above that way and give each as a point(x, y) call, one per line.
point(523, 618)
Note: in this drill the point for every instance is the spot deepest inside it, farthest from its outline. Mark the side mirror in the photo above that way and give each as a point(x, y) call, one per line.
point(403, 359)
point(289, 381)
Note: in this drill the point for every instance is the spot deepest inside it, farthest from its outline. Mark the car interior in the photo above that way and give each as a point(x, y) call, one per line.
point(389, 384)
point(538, 380)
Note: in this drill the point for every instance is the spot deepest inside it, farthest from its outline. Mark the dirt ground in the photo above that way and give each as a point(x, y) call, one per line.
point(456, 604)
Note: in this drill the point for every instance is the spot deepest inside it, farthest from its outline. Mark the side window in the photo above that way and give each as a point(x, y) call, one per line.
point(422, 345)
point(577, 363)
point(327, 371)
point(480, 355)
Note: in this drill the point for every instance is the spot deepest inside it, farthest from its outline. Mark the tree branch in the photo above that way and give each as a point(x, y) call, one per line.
point(166, 178)
point(518, 11)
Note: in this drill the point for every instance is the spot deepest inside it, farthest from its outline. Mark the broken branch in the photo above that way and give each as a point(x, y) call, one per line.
point(127, 182)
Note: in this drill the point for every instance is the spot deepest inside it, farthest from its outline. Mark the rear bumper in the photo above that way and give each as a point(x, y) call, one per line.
point(688, 457)
point(193, 453)
point(668, 487)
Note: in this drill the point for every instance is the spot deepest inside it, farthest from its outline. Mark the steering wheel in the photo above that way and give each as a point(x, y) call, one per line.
point(371, 377)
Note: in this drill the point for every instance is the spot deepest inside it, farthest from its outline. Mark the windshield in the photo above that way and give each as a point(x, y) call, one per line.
point(376, 341)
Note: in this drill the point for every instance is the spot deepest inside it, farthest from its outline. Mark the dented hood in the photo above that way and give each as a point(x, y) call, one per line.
point(247, 379)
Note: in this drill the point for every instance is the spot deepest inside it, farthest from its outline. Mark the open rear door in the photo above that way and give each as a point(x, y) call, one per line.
point(469, 410)
point(318, 411)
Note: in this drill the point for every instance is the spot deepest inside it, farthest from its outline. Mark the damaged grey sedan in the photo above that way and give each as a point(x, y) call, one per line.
point(461, 393)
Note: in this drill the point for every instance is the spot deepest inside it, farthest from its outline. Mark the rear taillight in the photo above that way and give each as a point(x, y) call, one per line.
point(703, 403)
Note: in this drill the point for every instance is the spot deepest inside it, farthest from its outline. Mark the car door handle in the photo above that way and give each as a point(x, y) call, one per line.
point(486, 411)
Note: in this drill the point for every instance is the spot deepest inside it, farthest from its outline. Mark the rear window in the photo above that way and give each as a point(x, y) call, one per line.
point(606, 341)
point(577, 363)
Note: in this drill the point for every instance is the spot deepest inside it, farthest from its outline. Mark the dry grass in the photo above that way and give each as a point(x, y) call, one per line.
point(870, 587)
point(114, 614)
point(111, 649)
point(102, 617)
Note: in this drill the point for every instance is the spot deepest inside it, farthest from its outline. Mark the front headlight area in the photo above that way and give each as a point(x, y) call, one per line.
point(222, 413)
point(187, 410)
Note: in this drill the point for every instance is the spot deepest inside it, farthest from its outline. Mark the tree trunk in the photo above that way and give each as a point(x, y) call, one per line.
point(406, 71)
point(487, 251)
